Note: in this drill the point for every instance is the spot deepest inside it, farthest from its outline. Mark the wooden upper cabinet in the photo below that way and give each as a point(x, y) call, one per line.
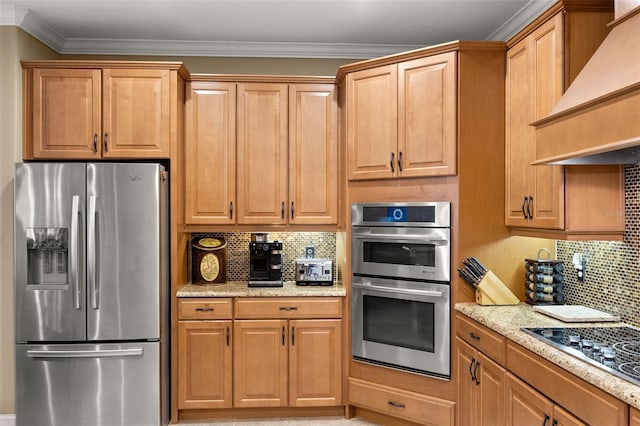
point(561, 202)
point(97, 109)
point(210, 153)
point(401, 119)
point(427, 116)
point(136, 113)
point(262, 153)
point(313, 154)
point(66, 121)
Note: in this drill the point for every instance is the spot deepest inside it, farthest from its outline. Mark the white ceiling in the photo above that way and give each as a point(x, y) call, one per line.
point(264, 28)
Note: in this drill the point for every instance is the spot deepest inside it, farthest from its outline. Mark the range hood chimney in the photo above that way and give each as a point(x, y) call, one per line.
point(597, 120)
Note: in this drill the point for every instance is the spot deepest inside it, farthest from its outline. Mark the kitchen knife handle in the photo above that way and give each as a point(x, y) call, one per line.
point(391, 162)
point(74, 251)
point(230, 209)
point(105, 144)
point(399, 161)
point(95, 142)
point(92, 254)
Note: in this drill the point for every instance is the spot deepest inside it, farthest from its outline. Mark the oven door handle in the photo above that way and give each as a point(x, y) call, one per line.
point(400, 238)
point(428, 293)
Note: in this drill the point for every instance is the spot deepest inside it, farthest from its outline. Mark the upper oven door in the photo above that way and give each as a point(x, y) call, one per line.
point(400, 252)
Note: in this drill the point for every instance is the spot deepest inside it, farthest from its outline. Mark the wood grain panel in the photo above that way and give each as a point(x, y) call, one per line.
point(292, 307)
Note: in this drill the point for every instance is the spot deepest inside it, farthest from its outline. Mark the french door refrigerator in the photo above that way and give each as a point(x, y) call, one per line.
point(91, 293)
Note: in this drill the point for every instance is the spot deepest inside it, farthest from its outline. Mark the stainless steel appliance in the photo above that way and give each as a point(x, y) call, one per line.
point(312, 271)
point(613, 349)
point(91, 291)
point(401, 264)
point(265, 264)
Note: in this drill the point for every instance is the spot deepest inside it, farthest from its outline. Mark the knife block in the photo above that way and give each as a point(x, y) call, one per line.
point(492, 291)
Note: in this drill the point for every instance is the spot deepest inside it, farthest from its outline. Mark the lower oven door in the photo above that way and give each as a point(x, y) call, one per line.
point(403, 324)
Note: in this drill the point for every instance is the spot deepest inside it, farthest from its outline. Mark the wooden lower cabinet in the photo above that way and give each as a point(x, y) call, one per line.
point(526, 406)
point(634, 417)
point(480, 388)
point(281, 363)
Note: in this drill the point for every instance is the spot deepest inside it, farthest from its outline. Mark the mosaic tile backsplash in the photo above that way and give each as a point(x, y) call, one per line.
point(612, 279)
point(293, 247)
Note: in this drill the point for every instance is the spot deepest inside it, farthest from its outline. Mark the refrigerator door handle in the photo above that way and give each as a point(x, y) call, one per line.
point(92, 248)
point(104, 353)
point(74, 252)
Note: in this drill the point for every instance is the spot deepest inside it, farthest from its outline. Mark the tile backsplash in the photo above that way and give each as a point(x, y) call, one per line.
point(612, 279)
point(293, 247)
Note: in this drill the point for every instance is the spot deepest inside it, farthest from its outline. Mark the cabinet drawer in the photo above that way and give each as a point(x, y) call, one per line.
point(288, 307)
point(582, 399)
point(407, 405)
point(206, 309)
point(481, 338)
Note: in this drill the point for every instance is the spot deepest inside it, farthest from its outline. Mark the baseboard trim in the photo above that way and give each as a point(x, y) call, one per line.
point(7, 419)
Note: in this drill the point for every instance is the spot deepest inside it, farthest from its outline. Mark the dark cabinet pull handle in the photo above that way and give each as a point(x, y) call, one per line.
point(95, 142)
point(292, 210)
point(288, 308)
point(473, 361)
point(282, 210)
point(391, 162)
point(283, 341)
point(104, 142)
point(293, 336)
point(399, 161)
point(475, 373)
point(546, 419)
point(204, 309)
point(228, 336)
point(474, 335)
point(524, 212)
point(230, 209)
point(396, 404)
point(554, 422)
point(530, 207)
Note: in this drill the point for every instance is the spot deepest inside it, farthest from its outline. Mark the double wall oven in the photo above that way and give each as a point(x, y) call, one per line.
point(401, 265)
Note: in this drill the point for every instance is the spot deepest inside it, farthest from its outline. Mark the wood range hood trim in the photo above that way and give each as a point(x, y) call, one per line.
point(597, 120)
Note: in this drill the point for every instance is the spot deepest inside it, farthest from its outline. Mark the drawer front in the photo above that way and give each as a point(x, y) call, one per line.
point(288, 307)
point(481, 338)
point(399, 403)
point(582, 399)
point(205, 309)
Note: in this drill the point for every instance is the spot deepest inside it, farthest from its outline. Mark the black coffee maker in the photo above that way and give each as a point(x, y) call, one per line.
point(265, 264)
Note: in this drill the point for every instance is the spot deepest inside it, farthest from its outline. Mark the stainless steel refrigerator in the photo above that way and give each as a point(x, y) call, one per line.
point(91, 294)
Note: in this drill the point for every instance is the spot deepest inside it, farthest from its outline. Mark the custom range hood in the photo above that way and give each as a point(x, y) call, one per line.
point(597, 120)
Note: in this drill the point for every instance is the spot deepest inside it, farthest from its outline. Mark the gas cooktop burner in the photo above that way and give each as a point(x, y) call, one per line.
point(613, 349)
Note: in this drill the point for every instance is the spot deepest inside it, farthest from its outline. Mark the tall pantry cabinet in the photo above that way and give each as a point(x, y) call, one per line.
point(563, 202)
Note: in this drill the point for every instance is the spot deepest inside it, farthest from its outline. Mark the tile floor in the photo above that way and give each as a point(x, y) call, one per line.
point(306, 421)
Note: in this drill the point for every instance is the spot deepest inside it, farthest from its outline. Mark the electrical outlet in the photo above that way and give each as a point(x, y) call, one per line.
point(310, 252)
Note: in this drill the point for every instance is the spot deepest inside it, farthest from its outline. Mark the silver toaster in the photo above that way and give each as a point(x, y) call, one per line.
point(314, 271)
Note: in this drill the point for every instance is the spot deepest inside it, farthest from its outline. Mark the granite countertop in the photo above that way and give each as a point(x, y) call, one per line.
point(508, 320)
point(242, 289)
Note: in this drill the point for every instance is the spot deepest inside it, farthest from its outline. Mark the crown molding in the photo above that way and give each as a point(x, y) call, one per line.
point(520, 19)
point(40, 29)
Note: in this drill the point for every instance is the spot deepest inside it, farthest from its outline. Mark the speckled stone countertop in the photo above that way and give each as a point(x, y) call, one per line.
point(508, 320)
point(242, 289)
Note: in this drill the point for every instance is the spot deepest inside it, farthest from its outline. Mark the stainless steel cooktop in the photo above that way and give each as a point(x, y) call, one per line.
point(613, 349)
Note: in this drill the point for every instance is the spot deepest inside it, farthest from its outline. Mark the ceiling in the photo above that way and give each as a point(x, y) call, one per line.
point(264, 28)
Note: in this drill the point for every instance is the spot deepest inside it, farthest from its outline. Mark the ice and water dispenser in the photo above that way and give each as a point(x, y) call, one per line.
point(47, 259)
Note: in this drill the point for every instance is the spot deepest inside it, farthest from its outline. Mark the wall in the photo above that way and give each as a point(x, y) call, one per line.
point(612, 280)
point(14, 46)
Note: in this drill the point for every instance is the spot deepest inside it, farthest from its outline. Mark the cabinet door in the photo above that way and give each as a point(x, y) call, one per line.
point(427, 116)
point(262, 153)
point(204, 364)
point(260, 369)
point(313, 154)
point(372, 123)
point(561, 417)
point(210, 155)
point(466, 403)
point(491, 379)
point(67, 114)
point(136, 113)
point(518, 134)
point(546, 47)
point(524, 405)
point(315, 365)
